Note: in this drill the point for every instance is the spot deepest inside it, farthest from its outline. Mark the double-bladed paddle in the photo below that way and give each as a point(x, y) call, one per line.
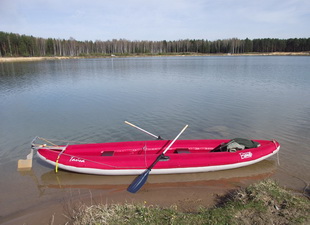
point(141, 179)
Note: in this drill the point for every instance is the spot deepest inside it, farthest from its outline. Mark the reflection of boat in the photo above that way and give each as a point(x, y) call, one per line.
point(132, 158)
point(63, 179)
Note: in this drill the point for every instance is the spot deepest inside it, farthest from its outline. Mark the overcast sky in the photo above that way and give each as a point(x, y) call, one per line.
point(156, 19)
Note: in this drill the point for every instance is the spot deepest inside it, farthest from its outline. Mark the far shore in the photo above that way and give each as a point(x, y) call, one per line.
point(30, 59)
point(40, 58)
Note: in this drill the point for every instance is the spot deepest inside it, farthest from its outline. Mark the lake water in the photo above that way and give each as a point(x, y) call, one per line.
point(88, 100)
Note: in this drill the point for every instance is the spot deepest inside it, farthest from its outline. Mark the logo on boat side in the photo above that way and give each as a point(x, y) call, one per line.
point(245, 155)
point(73, 159)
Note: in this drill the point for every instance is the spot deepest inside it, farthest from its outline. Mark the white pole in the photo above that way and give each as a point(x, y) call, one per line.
point(175, 139)
point(153, 135)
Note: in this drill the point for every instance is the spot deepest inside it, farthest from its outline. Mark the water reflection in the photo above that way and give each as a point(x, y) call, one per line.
point(87, 100)
point(68, 180)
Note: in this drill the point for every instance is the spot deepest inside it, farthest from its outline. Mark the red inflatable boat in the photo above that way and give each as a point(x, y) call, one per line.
point(133, 158)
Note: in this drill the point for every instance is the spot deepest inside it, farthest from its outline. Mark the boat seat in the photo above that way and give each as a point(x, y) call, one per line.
point(182, 151)
point(107, 153)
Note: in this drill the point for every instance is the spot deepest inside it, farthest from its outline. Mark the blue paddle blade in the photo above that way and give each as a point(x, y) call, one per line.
point(138, 182)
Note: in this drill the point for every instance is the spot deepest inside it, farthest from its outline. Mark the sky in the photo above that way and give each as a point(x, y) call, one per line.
point(156, 20)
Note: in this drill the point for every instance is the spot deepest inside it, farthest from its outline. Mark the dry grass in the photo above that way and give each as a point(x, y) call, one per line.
point(268, 203)
point(261, 203)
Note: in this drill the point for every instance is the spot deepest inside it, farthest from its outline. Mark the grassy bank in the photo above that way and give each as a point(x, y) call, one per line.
point(261, 203)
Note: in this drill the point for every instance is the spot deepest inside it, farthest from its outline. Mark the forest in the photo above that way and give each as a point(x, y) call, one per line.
point(15, 45)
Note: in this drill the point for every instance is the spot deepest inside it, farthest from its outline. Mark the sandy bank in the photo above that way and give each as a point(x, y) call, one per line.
point(31, 59)
point(278, 53)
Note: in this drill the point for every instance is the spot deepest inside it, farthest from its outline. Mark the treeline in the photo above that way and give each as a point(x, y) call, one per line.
point(22, 45)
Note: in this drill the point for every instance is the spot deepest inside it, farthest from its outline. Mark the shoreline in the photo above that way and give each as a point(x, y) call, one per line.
point(42, 58)
point(33, 59)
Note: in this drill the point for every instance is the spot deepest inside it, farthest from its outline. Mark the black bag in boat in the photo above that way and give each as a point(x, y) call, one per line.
point(246, 142)
point(236, 144)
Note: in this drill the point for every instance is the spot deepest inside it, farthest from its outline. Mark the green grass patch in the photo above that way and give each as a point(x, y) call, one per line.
point(262, 203)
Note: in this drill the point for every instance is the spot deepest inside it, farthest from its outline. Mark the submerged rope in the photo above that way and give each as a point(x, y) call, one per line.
point(62, 153)
point(56, 165)
point(100, 163)
point(144, 149)
point(66, 141)
point(43, 139)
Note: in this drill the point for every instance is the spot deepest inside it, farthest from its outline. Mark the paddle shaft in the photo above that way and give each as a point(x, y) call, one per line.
point(153, 135)
point(169, 146)
point(174, 140)
point(141, 179)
